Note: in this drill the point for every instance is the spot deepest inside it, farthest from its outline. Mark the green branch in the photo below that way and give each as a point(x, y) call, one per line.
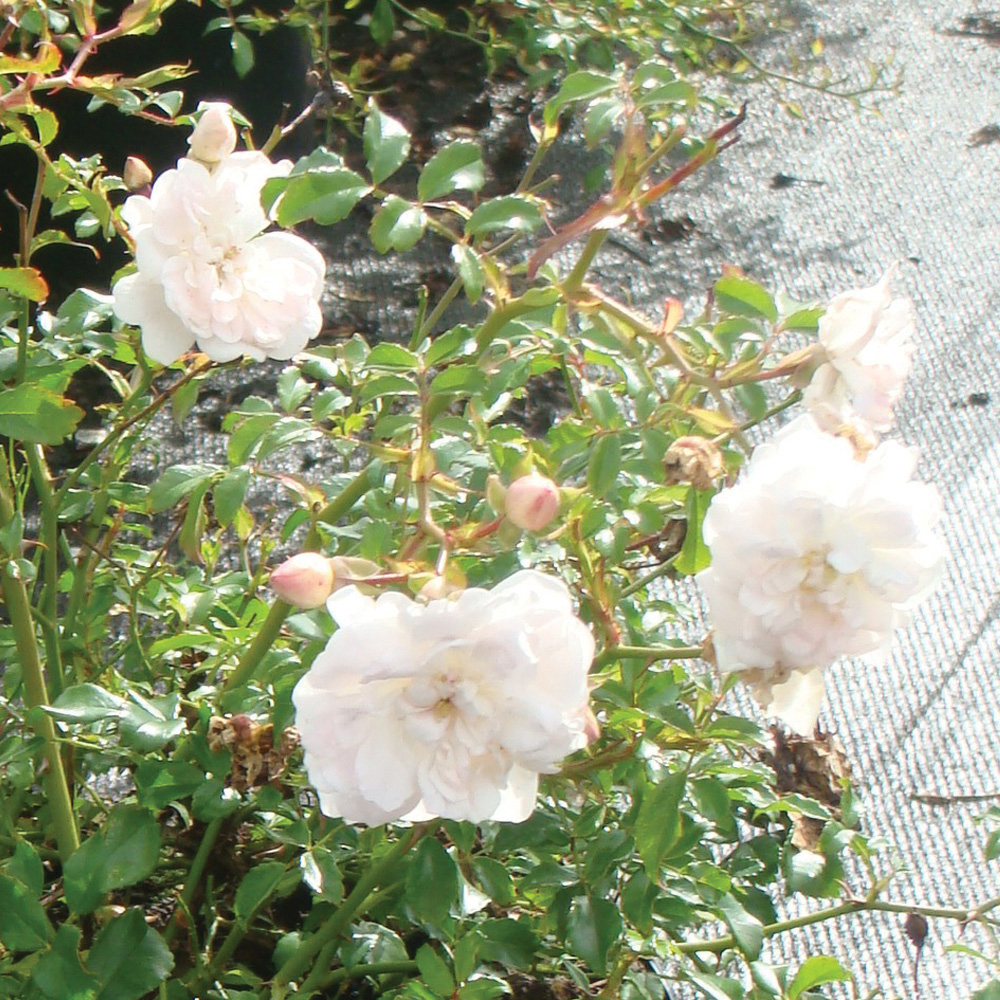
point(334, 928)
point(963, 915)
point(651, 653)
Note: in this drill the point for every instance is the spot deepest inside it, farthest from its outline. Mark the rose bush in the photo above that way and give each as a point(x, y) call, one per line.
point(579, 813)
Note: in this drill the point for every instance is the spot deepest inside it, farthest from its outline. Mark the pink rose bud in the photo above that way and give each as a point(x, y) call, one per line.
point(532, 502)
point(214, 137)
point(305, 580)
point(137, 175)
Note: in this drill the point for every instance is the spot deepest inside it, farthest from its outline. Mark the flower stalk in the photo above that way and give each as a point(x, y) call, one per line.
point(333, 929)
point(15, 595)
point(963, 915)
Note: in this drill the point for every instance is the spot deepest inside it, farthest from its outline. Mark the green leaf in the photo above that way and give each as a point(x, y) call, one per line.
point(599, 119)
point(470, 270)
point(433, 882)
point(455, 167)
point(657, 824)
point(321, 874)
point(494, 879)
point(386, 143)
point(23, 924)
point(483, 988)
point(26, 866)
point(397, 225)
point(382, 24)
point(745, 298)
point(816, 970)
point(125, 852)
point(129, 958)
point(508, 212)
point(716, 987)
point(228, 495)
point(434, 971)
point(144, 727)
point(160, 782)
point(695, 554)
point(243, 58)
point(82, 704)
point(24, 282)
point(370, 942)
point(991, 991)
point(583, 85)
point(605, 464)
point(259, 885)
point(31, 412)
point(593, 927)
point(178, 482)
point(59, 973)
point(508, 942)
point(214, 801)
point(747, 929)
point(326, 194)
point(392, 357)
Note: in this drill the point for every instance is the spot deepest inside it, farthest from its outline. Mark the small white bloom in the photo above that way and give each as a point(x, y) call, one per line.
point(214, 137)
point(448, 709)
point(815, 555)
point(866, 335)
point(209, 275)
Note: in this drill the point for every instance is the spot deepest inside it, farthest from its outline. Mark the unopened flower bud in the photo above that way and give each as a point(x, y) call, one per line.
point(137, 175)
point(591, 727)
point(214, 137)
point(438, 588)
point(305, 580)
point(532, 502)
point(694, 460)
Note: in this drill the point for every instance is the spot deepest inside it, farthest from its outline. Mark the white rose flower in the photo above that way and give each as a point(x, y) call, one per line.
point(815, 555)
point(866, 339)
point(448, 709)
point(209, 275)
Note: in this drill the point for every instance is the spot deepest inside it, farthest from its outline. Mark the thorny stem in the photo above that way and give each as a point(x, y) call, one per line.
point(644, 581)
point(437, 312)
point(15, 595)
point(594, 243)
point(193, 881)
point(341, 919)
point(270, 629)
point(50, 565)
point(402, 968)
point(650, 653)
point(720, 944)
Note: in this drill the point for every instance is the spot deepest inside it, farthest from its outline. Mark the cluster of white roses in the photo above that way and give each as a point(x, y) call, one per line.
point(207, 273)
point(822, 547)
